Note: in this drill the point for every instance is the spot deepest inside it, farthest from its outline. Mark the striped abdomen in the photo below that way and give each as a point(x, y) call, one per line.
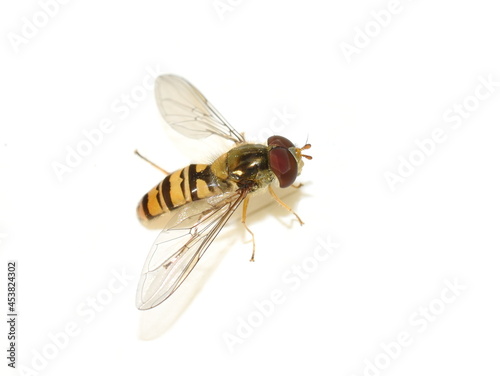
point(194, 182)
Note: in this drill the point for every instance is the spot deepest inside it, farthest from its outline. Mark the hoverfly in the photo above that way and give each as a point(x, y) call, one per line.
point(199, 199)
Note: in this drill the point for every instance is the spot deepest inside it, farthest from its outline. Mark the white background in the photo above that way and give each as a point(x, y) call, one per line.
point(398, 249)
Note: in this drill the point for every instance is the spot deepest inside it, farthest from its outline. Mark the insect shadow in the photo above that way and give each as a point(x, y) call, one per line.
point(157, 321)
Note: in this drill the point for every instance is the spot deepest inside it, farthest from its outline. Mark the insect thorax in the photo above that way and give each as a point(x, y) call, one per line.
point(246, 166)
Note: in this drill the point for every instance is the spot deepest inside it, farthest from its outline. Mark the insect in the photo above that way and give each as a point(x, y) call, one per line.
point(199, 199)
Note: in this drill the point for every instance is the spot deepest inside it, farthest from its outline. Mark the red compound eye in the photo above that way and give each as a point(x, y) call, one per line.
point(281, 160)
point(280, 141)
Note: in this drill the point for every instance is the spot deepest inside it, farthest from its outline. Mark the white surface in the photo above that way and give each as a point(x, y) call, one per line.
point(398, 250)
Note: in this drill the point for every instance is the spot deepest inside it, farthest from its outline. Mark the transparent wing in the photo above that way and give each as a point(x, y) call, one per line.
point(186, 110)
point(180, 246)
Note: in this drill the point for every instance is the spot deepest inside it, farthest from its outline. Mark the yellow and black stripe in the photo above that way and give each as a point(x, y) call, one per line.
point(194, 182)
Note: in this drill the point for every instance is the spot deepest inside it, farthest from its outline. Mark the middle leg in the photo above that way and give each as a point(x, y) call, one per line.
point(244, 221)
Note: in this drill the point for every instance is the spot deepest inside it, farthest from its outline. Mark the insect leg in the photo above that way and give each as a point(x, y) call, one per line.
point(151, 163)
point(275, 196)
point(243, 220)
